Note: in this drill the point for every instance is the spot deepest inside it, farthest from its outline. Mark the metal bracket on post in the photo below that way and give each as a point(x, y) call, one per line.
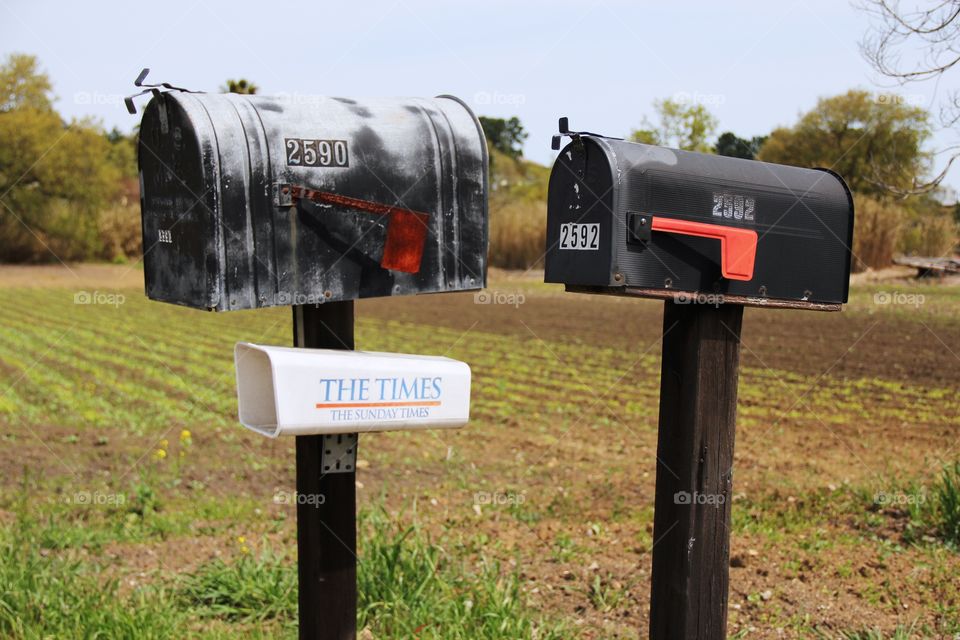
point(339, 453)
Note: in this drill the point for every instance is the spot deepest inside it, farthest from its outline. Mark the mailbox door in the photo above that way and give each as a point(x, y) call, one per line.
point(182, 240)
point(581, 228)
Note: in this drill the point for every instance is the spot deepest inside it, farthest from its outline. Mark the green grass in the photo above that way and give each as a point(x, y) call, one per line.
point(947, 492)
point(409, 586)
point(908, 632)
point(248, 589)
point(931, 510)
point(51, 595)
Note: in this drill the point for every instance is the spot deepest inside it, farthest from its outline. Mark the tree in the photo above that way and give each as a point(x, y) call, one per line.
point(55, 177)
point(239, 86)
point(23, 85)
point(876, 145)
point(729, 144)
point(917, 44)
point(506, 136)
point(123, 151)
point(681, 126)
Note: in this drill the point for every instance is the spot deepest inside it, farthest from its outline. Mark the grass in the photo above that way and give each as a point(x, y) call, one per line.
point(931, 511)
point(902, 632)
point(46, 595)
point(409, 587)
point(250, 588)
point(948, 503)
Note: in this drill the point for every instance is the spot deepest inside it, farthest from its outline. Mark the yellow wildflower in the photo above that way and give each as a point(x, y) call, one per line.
point(160, 454)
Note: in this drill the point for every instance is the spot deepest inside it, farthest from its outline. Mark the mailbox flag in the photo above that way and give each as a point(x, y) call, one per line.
point(406, 229)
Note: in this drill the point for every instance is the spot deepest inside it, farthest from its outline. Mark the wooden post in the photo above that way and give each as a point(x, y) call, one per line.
point(327, 526)
point(698, 402)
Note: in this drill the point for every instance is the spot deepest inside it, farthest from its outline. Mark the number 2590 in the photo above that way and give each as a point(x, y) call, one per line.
point(316, 153)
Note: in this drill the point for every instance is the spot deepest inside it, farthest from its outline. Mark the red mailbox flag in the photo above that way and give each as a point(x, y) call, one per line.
point(406, 228)
point(738, 247)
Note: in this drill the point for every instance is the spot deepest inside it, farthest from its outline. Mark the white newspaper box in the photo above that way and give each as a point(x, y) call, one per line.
point(294, 391)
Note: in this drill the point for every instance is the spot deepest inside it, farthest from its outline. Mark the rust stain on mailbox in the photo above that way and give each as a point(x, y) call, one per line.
point(256, 201)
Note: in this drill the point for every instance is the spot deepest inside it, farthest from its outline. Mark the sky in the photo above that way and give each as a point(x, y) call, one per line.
point(755, 66)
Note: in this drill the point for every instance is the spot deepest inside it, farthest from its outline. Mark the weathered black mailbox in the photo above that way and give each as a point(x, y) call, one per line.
point(632, 218)
point(251, 201)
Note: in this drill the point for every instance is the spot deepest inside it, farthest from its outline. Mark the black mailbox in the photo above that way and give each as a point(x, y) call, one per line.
point(253, 201)
point(636, 219)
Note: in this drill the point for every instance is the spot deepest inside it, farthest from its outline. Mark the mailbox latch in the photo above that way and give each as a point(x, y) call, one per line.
point(638, 227)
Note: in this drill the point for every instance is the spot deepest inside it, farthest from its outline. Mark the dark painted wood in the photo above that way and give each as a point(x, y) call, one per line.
point(326, 533)
point(698, 401)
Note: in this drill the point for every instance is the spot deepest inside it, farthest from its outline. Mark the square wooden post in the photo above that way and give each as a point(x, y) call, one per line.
point(326, 502)
point(691, 531)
